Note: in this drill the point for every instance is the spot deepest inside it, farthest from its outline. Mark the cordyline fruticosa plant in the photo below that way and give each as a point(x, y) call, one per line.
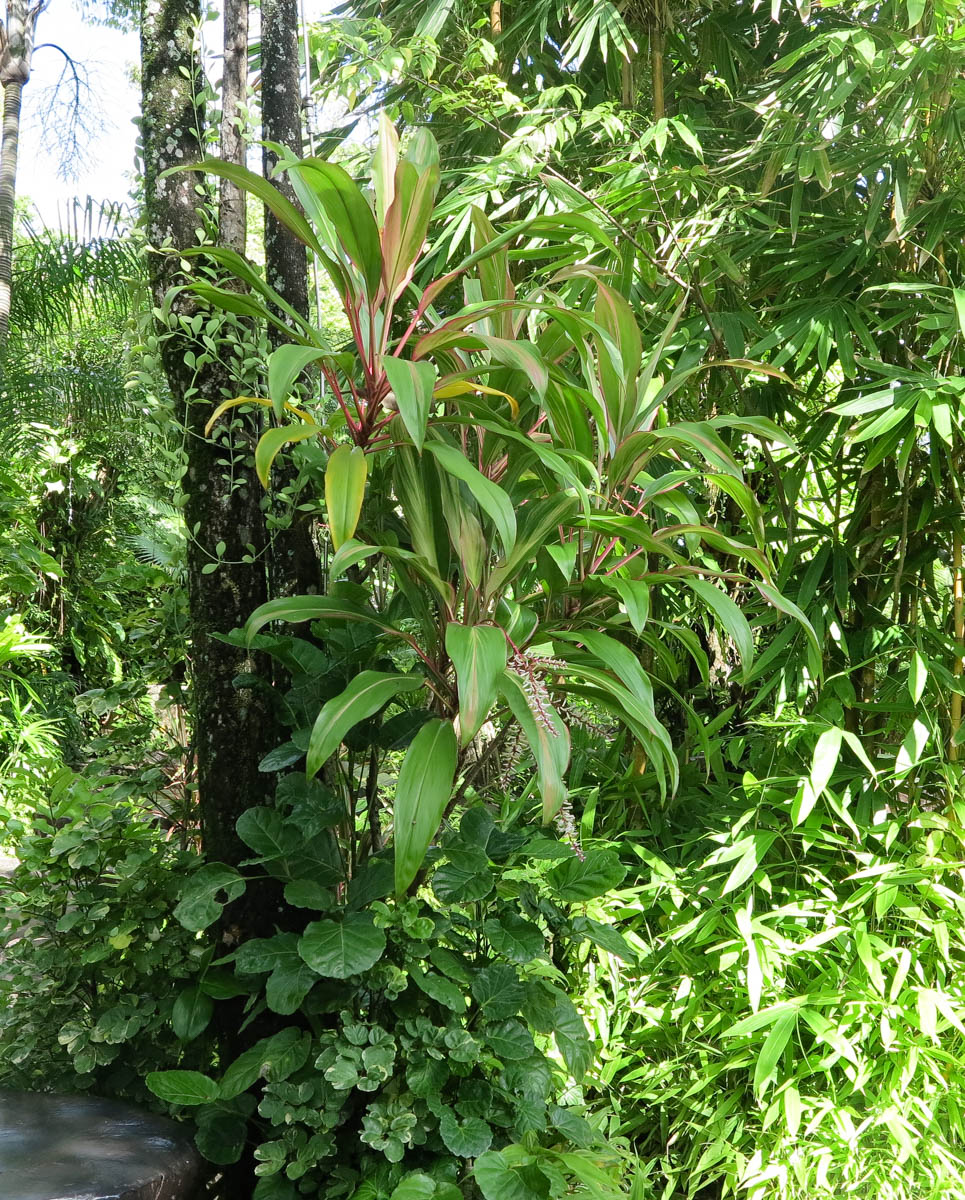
point(524, 490)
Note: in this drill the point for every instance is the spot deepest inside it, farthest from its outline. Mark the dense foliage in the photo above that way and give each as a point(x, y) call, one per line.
point(607, 829)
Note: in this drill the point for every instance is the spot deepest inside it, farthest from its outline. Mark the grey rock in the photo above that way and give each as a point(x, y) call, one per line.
point(83, 1148)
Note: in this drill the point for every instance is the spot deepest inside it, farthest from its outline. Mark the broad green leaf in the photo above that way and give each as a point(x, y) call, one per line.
point(478, 654)
point(728, 615)
point(498, 991)
point(635, 594)
point(439, 988)
point(384, 162)
point(365, 695)
point(412, 384)
point(345, 478)
point(548, 738)
point(773, 596)
point(347, 209)
point(280, 206)
point(959, 295)
point(311, 608)
point(423, 790)
point(284, 366)
point(515, 937)
point(754, 976)
point(206, 893)
point(576, 879)
point(191, 1014)
point(489, 496)
point(497, 1180)
point(273, 1058)
point(827, 750)
point(912, 748)
point(182, 1087)
point(273, 441)
point(916, 10)
point(406, 224)
point(338, 949)
point(756, 846)
point(466, 1138)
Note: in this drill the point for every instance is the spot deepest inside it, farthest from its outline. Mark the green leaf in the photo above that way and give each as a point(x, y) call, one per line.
point(509, 1039)
point(498, 991)
point(635, 594)
point(756, 846)
point(773, 596)
point(338, 949)
point(310, 608)
point(284, 366)
point(571, 1036)
point(438, 988)
point(826, 753)
point(347, 209)
point(345, 478)
point(467, 1138)
point(267, 833)
point(281, 207)
point(412, 384)
point(498, 1181)
point(777, 1038)
point(384, 162)
point(407, 222)
point(604, 936)
point(728, 615)
point(515, 937)
point(478, 654)
point(422, 792)
point(489, 496)
point(182, 1087)
point(578, 879)
point(549, 741)
point(917, 677)
point(201, 904)
point(191, 1014)
point(365, 695)
point(273, 441)
point(273, 1058)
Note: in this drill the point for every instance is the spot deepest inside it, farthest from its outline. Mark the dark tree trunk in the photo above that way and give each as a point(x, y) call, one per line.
point(293, 564)
point(233, 727)
point(287, 265)
point(232, 225)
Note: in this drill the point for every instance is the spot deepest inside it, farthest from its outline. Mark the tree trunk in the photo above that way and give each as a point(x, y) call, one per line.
point(16, 52)
point(293, 564)
point(232, 223)
point(286, 262)
point(233, 728)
